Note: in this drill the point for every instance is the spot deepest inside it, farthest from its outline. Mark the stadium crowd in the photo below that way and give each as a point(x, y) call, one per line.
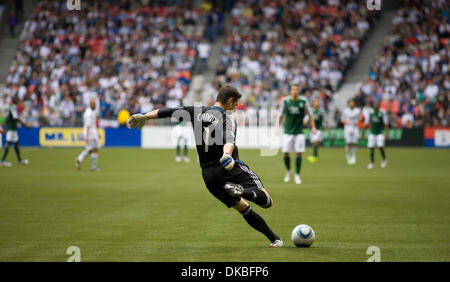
point(139, 55)
point(133, 55)
point(276, 43)
point(410, 75)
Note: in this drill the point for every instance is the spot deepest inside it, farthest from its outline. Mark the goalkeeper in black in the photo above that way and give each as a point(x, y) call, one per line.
point(227, 177)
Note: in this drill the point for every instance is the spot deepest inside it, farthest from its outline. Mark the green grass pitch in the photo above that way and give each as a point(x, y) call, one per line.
point(143, 206)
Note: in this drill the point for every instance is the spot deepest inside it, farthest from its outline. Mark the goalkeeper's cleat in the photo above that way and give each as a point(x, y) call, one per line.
point(178, 159)
point(5, 164)
point(276, 244)
point(383, 164)
point(234, 189)
point(24, 162)
point(371, 166)
point(186, 159)
point(77, 165)
point(297, 179)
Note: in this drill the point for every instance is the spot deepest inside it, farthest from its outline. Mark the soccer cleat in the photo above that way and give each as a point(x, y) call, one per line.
point(186, 159)
point(383, 163)
point(178, 159)
point(297, 179)
point(6, 164)
point(352, 161)
point(370, 166)
point(287, 178)
point(77, 165)
point(96, 169)
point(234, 189)
point(23, 162)
point(276, 244)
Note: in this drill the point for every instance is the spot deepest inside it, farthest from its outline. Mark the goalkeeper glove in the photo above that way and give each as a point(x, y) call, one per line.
point(227, 161)
point(138, 120)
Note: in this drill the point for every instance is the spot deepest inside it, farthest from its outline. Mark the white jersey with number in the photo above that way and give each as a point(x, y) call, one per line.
point(90, 118)
point(352, 117)
point(351, 130)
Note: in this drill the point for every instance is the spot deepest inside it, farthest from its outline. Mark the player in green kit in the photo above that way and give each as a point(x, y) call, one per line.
point(182, 133)
point(11, 134)
point(319, 121)
point(293, 109)
point(378, 134)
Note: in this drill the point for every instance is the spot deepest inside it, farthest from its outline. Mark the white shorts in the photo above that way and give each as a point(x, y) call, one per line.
point(12, 136)
point(316, 137)
point(293, 143)
point(351, 135)
point(92, 144)
point(182, 132)
point(375, 140)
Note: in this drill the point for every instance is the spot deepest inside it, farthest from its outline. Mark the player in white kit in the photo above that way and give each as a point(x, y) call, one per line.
point(350, 118)
point(90, 137)
point(182, 133)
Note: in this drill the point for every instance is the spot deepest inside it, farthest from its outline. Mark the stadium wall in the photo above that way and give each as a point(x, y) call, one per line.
point(437, 137)
point(73, 137)
point(247, 137)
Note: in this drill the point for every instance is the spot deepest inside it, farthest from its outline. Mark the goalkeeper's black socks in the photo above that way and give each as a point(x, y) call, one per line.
point(257, 196)
point(258, 223)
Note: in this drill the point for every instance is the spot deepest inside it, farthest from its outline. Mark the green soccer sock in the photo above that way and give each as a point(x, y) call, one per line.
point(5, 153)
point(372, 155)
point(316, 151)
point(16, 148)
point(185, 150)
point(298, 164)
point(383, 154)
point(178, 149)
point(287, 162)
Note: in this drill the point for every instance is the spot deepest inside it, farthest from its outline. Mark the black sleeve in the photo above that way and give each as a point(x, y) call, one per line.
point(183, 113)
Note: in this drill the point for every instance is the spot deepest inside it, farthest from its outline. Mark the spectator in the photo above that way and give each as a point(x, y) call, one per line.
point(12, 21)
point(204, 51)
point(111, 50)
point(411, 71)
point(67, 108)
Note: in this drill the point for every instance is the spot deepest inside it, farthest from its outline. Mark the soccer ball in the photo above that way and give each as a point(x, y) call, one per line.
point(302, 235)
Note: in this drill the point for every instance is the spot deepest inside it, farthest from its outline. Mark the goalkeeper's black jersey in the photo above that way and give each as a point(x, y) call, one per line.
point(213, 128)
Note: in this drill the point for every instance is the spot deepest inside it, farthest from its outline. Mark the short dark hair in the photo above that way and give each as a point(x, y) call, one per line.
point(226, 92)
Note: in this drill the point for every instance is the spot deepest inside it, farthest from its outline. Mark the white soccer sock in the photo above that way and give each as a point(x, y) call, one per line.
point(94, 158)
point(354, 149)
point(82, 155)
point(347, 152)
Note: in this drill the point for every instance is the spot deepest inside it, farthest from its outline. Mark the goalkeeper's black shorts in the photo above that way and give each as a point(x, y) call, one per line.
point(215, 177)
